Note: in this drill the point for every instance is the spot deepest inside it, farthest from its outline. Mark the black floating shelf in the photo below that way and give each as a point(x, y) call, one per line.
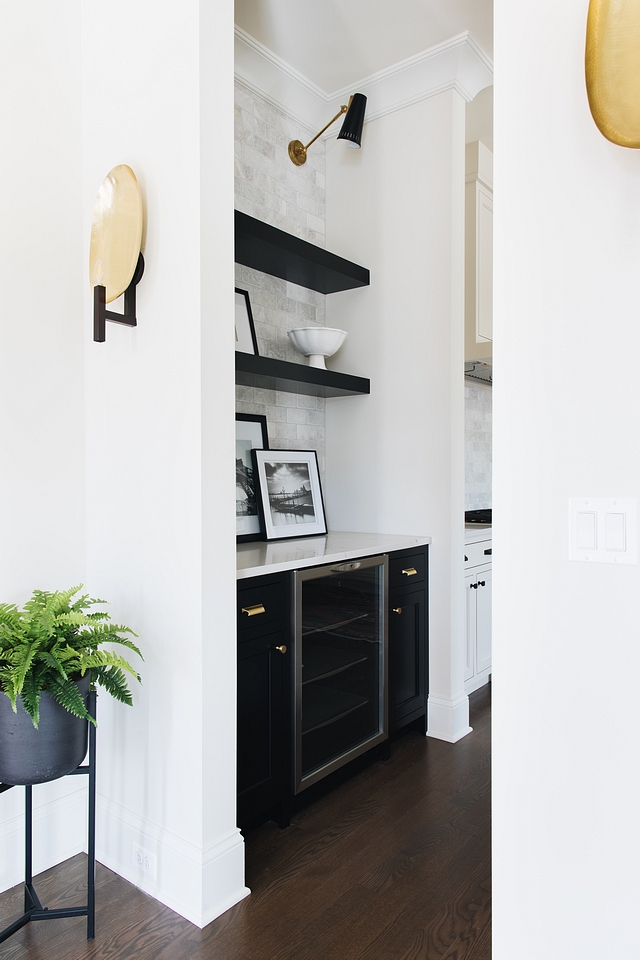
point(265, 248)
point(269, 374)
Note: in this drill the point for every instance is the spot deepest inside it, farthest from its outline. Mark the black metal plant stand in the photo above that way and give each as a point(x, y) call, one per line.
point(33, 909)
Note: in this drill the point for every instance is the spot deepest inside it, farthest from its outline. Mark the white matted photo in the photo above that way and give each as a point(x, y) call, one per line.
point(246, 341)
point(290, 493)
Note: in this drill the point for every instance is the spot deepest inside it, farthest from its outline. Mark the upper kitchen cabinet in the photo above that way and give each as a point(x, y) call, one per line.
point(478, 296)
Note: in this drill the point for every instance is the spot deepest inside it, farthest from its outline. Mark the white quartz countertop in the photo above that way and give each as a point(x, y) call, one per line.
point(473, 532)
point(260, 558)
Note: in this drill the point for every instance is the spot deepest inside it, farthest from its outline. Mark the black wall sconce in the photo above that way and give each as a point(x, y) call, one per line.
point(116, 264)
point(101, 314)
point(351, 130)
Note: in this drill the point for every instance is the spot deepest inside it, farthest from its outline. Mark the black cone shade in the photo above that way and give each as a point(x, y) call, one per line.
point(354, 121)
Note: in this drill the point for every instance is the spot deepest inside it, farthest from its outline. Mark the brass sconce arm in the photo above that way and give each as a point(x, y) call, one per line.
point(298, 151)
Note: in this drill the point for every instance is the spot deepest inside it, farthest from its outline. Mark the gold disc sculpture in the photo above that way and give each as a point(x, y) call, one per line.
point(116, 232)
point(612, 65)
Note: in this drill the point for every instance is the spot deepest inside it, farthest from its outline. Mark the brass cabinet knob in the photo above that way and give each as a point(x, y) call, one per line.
point(397, 609)
point(281, 649)
point(254, 610)
point(410, 572)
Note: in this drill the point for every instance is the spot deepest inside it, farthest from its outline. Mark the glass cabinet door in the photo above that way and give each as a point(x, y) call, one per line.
point(340, 656)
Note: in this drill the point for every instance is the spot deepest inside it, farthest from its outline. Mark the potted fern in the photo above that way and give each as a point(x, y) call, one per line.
point(50, 656)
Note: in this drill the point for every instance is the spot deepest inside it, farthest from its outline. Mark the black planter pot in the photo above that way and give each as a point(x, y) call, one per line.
point(56, 748)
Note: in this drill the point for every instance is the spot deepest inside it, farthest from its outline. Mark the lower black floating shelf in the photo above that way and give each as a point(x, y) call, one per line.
point(269, 374)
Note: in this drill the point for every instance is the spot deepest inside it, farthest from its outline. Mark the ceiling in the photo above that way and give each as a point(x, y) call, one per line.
point(335, 43)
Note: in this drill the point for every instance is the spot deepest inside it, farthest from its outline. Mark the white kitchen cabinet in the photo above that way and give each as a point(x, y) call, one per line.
point(478, 297)
point(477, 583)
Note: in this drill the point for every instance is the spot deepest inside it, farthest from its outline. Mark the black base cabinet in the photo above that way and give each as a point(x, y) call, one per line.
point(264, 706)
point(266, 681)
point(408, 646)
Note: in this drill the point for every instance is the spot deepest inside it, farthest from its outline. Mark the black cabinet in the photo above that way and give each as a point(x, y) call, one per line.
point(408, 646)
point(264, 706)
point(266, 679)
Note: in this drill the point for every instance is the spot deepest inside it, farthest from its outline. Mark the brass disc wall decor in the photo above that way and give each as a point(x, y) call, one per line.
point(612, 65)
point(116, 232)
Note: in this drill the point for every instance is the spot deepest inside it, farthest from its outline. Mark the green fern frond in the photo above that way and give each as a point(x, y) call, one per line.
point(103, 632)
point(114, 682)
point(9, 614)
point(53, 662)
point(129, 644)
point(30, 698)
point(67, 693)
point(22, 661)
point(105, 658)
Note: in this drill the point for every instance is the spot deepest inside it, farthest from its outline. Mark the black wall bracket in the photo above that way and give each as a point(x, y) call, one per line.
point(101, 314)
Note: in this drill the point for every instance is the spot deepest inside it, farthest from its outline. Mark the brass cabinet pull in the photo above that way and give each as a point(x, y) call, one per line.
point(397, 609)
point(410, 572)
point(282, 649)
point(254, 610)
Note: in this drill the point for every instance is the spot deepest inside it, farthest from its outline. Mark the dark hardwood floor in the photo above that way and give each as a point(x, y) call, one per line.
point(392, 865)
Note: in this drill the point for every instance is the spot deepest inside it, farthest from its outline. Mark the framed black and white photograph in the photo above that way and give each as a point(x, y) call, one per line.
point(289, 488)
point(251, 434)
point(246, 341)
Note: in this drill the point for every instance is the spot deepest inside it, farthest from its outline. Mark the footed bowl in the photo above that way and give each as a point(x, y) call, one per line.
point(317, 343)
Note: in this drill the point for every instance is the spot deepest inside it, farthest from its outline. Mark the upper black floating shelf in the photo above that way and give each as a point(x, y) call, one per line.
point(269, 374)
point(265, 248)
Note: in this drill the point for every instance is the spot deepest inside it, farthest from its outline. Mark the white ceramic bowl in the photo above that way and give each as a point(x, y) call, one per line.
point(317, 343)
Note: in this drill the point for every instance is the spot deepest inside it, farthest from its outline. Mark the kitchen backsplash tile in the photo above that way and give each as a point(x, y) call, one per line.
point(477, 400)
point(269, 187)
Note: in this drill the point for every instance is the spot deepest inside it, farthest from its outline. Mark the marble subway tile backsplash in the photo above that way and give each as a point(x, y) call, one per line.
point(270, 188)
point(478, 413)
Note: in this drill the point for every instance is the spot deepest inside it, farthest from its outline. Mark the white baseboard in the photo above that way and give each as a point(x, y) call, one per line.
point(199, 885)
point(59, 828)
point(448, 719)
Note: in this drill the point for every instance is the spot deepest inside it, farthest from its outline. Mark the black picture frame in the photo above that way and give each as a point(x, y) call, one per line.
point(249, 526)
point(246, 340)
point(297, 473)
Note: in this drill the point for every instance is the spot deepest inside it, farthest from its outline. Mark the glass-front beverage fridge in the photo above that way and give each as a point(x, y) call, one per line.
point(340, 665)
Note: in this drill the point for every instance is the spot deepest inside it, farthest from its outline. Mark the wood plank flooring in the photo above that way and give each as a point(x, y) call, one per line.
point(393, 865)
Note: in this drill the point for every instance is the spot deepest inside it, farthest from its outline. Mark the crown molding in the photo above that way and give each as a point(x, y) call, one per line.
point(280, 84)
point(458, 64)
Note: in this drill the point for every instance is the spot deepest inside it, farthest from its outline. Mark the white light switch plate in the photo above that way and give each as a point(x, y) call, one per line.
point(603, 529)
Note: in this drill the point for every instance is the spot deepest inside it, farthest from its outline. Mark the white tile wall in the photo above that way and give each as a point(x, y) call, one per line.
point(477, 400)
point(269, 187)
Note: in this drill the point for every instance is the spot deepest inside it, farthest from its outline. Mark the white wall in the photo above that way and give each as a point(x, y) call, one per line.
point(395, 459)
point(566, 650)
point(158, 95)
point(41, 358)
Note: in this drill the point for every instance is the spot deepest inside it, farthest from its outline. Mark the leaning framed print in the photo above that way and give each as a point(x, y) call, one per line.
point(246, 341)
point(251, 434)
point(288, 485)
